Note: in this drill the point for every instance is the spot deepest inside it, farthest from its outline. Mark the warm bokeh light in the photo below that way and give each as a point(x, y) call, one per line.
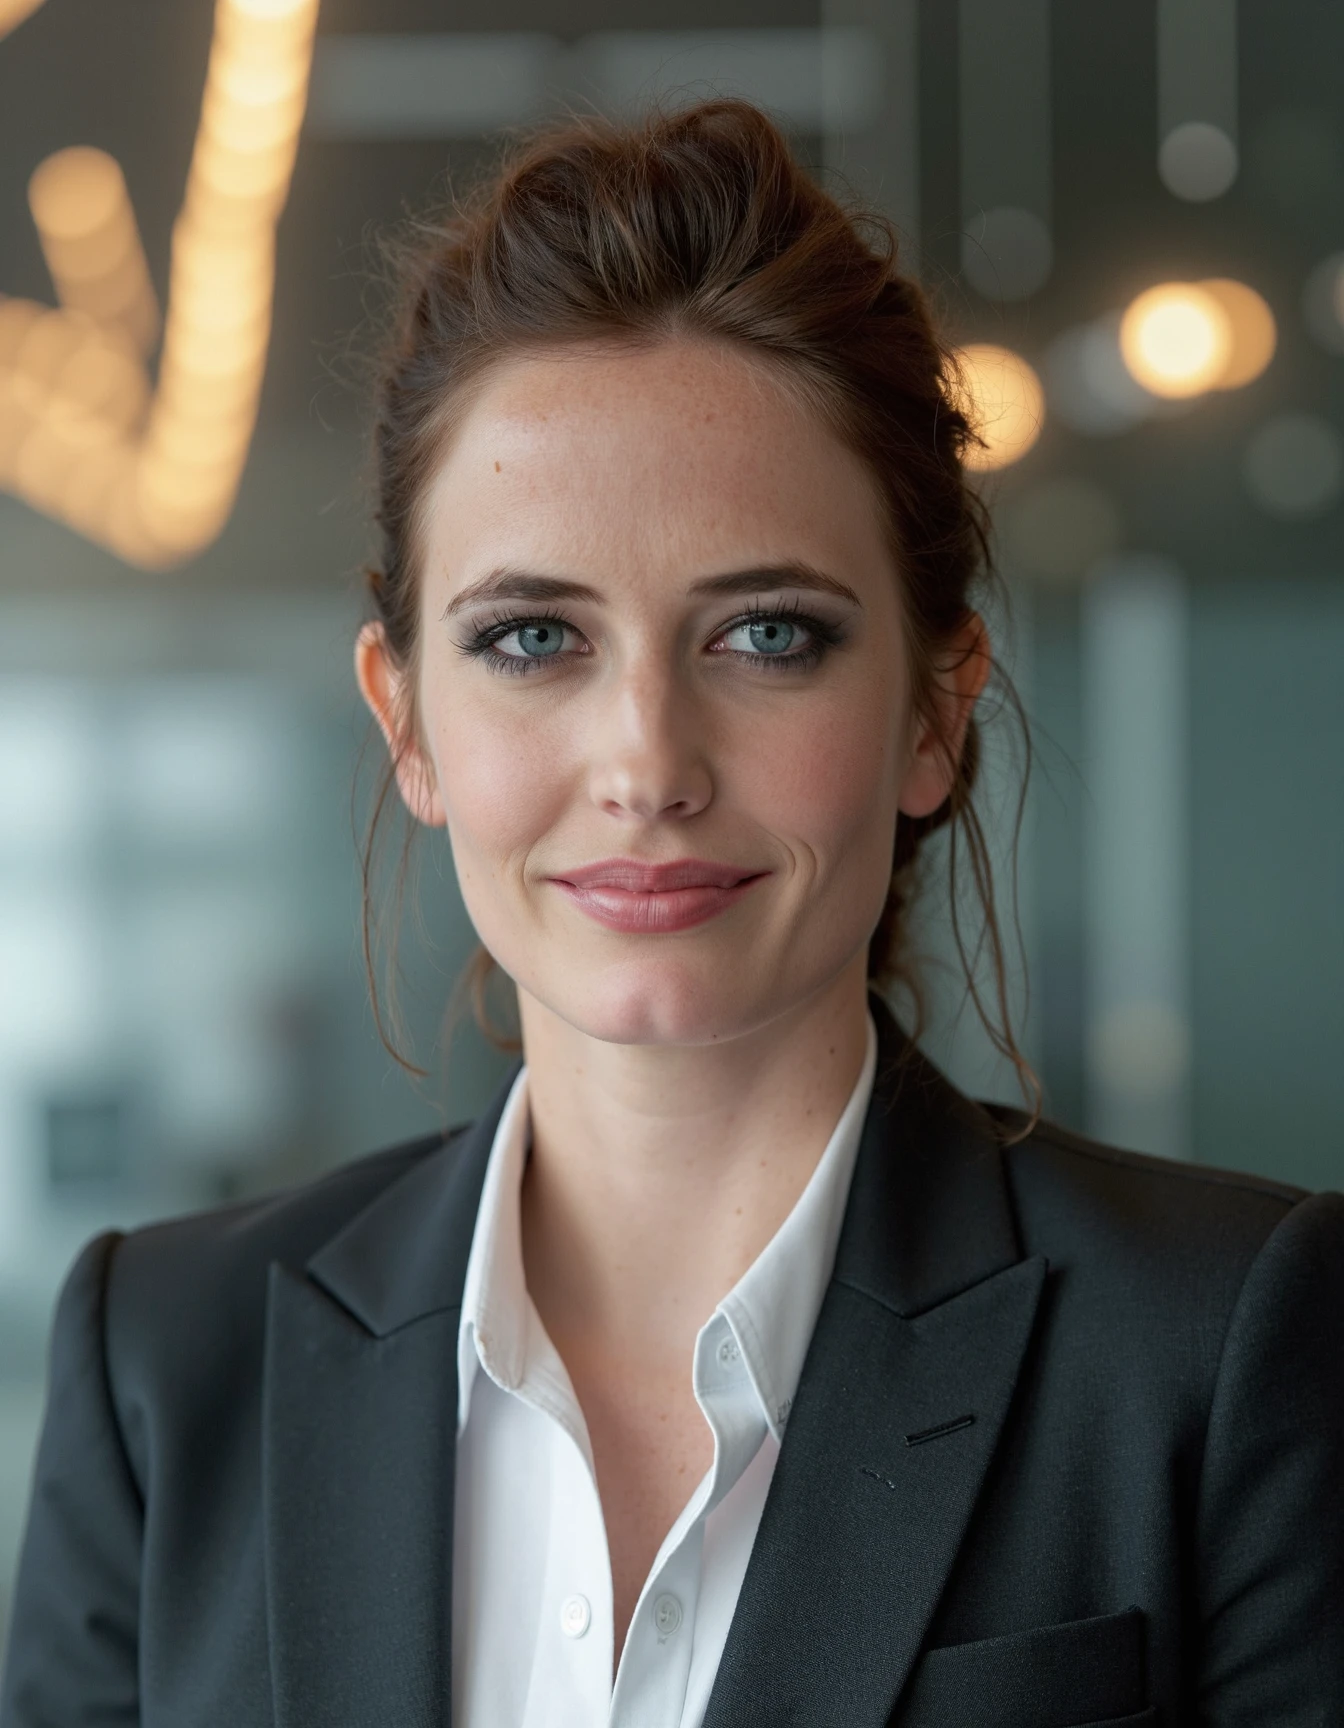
point(13, 13)
point(1003, 399)
point(154, 476)
point(104, 379)
point(76, 193)
point(83, 215)
point(222, 272)
point(1176, 339)
point(1254, 335)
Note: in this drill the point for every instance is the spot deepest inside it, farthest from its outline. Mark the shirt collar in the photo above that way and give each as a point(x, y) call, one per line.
point(495, 1304)
point(772, 1309)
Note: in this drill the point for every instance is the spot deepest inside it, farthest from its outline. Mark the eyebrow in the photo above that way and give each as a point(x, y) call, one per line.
point(508, 583)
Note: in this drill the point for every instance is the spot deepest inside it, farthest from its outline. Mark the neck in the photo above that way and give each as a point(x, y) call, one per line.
point(658, 1173)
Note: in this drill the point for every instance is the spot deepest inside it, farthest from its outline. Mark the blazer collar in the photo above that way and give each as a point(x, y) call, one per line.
point(405, 1256)
point(928, 1212)
point(925, 1322)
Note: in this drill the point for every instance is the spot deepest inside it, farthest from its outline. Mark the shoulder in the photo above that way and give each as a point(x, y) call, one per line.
point(290, 1223)
point(1156, 1247)
point(1068, 1184)
point(173, 1287)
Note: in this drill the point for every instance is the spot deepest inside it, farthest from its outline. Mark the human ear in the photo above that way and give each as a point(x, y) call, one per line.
point(380, 684)
point(938, 744)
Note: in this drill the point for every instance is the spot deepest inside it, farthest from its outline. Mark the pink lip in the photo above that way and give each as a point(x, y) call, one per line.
point(624, 894)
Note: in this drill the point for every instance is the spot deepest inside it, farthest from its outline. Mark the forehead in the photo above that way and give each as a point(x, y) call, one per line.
point(667, 458)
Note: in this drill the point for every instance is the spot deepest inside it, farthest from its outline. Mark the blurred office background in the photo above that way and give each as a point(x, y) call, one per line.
point(1132, 219)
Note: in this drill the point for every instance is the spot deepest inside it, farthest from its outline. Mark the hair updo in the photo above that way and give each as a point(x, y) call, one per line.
point(699, 223)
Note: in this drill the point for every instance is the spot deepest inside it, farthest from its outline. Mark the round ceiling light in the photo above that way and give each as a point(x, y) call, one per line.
point(1004, 401)
point(1254, 334)
point(1177, 339)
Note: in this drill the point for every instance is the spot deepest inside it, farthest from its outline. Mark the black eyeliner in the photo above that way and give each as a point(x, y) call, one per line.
point(481, 639)
point(824, 634)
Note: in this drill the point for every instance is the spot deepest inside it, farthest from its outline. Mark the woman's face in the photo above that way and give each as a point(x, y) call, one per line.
point(661, 627)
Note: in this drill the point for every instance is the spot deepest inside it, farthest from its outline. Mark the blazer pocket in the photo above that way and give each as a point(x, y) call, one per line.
point(1077, 1674)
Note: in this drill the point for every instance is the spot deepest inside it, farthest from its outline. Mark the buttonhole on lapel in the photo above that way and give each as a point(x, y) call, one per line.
point(877, 1476)
point(938, 1432)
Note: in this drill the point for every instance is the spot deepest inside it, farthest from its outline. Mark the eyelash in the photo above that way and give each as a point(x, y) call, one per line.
point(824, 636)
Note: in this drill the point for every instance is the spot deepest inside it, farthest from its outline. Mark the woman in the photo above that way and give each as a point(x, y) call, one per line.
point(732, 1368)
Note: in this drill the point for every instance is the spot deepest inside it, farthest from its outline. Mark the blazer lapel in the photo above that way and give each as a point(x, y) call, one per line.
point(899, 1408)
point(359, 1424)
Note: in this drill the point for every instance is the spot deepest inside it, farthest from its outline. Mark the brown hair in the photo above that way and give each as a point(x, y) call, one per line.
point(700, 223)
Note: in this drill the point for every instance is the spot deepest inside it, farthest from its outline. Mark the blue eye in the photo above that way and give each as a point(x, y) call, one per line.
point(767, 636)
point(535, 641)
point(524, 644)
point(776, 638)
point(540, 639)
point(788, 640)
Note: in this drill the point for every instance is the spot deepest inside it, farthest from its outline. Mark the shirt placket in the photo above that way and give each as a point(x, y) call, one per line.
point(655, 1666)
point(572, 1654)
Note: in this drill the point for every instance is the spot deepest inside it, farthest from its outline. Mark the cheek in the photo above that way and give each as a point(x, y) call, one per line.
point(827, 777)
point(503, 782)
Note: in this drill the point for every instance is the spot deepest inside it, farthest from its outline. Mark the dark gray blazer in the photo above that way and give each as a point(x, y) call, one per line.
point(1068, 1448)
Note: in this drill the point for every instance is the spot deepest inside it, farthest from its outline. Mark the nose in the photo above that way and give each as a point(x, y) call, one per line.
point(647, 758)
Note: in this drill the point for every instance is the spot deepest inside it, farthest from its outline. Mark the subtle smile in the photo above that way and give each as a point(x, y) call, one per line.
point(653, 899)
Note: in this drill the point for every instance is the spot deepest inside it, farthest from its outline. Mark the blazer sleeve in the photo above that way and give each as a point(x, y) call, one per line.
point(1270, 1548)
point(71, 1652)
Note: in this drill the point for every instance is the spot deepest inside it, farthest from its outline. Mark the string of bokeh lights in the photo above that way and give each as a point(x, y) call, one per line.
point(152, 472)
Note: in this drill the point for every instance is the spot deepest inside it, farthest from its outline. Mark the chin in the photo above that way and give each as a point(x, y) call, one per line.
point(662, 1000)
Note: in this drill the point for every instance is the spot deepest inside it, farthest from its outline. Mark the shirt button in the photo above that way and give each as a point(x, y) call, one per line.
point(575, 1616)
point(666, 1615)
point(728, 1351)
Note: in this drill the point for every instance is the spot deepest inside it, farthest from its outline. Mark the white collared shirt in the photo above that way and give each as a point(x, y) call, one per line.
point(532, 1596)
